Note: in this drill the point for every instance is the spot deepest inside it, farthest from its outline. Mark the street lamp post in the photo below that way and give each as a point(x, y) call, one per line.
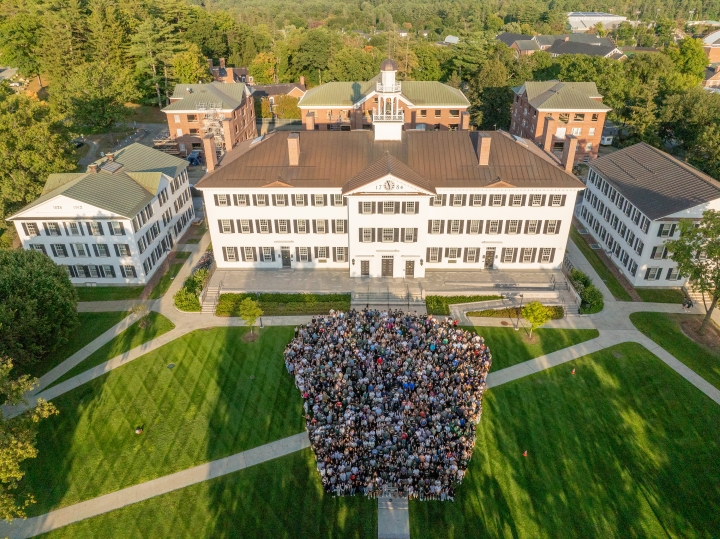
point(517, 326)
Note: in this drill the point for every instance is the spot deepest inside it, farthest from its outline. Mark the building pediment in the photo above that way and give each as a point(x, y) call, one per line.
point(500, 184)
point(278, 183)
point(388, 175)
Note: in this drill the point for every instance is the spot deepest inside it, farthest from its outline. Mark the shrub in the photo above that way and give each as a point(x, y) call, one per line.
point(284, 304)
point(556, 312)
point(185, 300)
point(591, 297)
point(440, 304)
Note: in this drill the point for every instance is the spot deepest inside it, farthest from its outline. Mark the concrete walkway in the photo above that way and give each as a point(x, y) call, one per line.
point(393, 518)
point(22, 529)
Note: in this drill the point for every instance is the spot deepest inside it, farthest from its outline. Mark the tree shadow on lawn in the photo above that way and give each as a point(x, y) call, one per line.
point(623, 448)
point(287, 502)
point(204, 408)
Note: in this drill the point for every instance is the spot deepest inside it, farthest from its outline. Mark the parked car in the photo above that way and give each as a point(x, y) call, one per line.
point(15, 84)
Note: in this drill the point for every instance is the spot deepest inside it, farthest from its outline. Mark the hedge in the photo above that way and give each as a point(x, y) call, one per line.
point(591, 297)
point(188, 297)
point(439, 304)
point(556, 312)
point(285, 304)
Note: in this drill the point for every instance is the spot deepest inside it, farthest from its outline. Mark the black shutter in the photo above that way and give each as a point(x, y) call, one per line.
point(552, 254)
point(672, 230)
point(334, 254)
point(122, 271)
point(220, 226)
point(25, 229)
point(276, 225)
point(396, 235)
point(440, 253)
point(527, 224)
point(232, 226)
point(100, 227)
point(654, 250)
point(310, 257)
point(464, 200)
point(88, 229)
point(444, 200)
point(224, 249)
point(314, 226)
point(427, 255)
point(315, 249)
point(373, 234)
point(332, 226)
point(500, 226)
point(447, 252)
point(122, 229)
point(295, 226)
point(542, 201)
point(660, 230)
point(312, 200)
point(524, 198)
point(647, 274)
point(402, 234)
point(250, 223)
point(344, 201)
point(465, 254)
point(217, 202)
point(274, 200)
point(562, 200)
point(257, 225)
point(95, 249)
point(403, 208)
point(360, 207)
point(361, 234)
point(379, 234)
point(117, 250)
point(272, 254)
point(72, 249)
point(255, 254)
point(242, 254)
point(534, 254)
point(415, 234)
point(429, 226)
point(374, 207)
point(558, 224)
point(254, 199)
point(502, 254)
point(515, 253)
point(270, 228)
point(462, 222)
point(397, 207)
point(487, 226)
point(507, 225)
point(442, 226)
point(545, 227)
point(325, 200)
point(297, 254)
point(665, 253)
point(47, 232)
point(504, 200)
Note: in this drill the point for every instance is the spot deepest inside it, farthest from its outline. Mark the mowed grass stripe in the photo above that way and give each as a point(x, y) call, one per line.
point(623, 448)
point(205, 408)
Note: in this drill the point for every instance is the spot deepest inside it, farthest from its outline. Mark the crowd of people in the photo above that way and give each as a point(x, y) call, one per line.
point(391, 400)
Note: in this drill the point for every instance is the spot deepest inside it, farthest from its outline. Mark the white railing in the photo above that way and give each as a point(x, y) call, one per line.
point(396, 117)
point(387, 88)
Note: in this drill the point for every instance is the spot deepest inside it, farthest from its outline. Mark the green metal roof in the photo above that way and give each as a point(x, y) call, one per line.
point(554, 95)
point(126, 191)
point(213, 95)
point(140, 158)
point(419, 93)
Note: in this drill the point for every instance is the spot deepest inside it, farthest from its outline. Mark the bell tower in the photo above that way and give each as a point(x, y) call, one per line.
point(388, 117)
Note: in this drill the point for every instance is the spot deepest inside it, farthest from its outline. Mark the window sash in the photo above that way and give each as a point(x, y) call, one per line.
point(513, 227)
point(322, 252)
point(515, 200)
point(410, 207)
point(340, 226)
point(527, 255)
point(340, 254)
point(319, 200)
point(509, 254)
point(388, 207)
point(367, 208)
point(264, 226)
point(472, 254)
point(267, 253)
point(303, 254)
point(302, 226)
point(320, 226)
point(555, 200)
point(494, 227)
point(552, 227)
point(532, 227)
point(455, 227)
point(74, 229)
point(453, 252)
point(477, 200)
point(280, 200)
point(226, 226)
point(222, 200)
point(249, 253)
point(496, 200)
point(434, 254)
point(409, 235)
point(245, 226)
point(283, 225)
point(457, 200)
point(535, 200)
point(367, 235)
point(261, 200)
point(435, 227)
point(338, 200)
point(545, 254)
point(231, 254)
point(437, 201)
point(474, 227)
point(242, 200)
point(387, 235)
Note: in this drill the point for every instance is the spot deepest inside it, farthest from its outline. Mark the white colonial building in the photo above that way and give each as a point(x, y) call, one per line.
point(389, 203)
point(114, 223)
point(634, 200)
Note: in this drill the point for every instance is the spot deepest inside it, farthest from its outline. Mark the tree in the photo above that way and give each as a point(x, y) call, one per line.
point(697, 255)
point(262, 68)
point(19, 43)
point(249, 311)
point(17, 439)
point(38, 306)
point(351, 64)
point(491, 96)
point(286, 107)
point(190, 67)
point(34, 142)
point(689, 57)
point(94, 94)
point(536, 314)
point(152, 46)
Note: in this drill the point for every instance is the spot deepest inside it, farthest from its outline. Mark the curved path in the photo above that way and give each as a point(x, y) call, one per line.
point(613, 324)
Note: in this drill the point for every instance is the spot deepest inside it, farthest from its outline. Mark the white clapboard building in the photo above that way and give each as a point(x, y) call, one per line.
point(634, 201)
point(115, 222)
point(392, 204)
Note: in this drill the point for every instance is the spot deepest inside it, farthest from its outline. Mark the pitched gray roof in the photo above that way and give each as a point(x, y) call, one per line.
point(122, 186)
point(527, 45)
point(575, 47)
point(555, 95)
point(213, 95)
point(654, 181)
point(264, 90)
point(509, 38)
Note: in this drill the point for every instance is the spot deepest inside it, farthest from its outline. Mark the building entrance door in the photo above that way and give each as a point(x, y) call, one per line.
point(409, 269)
point(285, 252)
point(387, 266)
point(364, 268)
point(489, 257)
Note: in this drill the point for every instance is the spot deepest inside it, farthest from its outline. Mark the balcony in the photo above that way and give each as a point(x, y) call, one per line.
point(398, 116)
point(387, 88)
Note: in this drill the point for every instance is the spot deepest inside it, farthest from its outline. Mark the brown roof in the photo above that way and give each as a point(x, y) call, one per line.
point(388, 164)
point(434, 158)
point(654, 181)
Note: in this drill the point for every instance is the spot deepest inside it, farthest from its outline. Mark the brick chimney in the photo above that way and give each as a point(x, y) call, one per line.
point(549, 130)
point(93, 168)
point(464, 121)
point(294, 148)
point(302, 80)
point(310, 121)
point(568, 155)
point(210, 64)
point(210, 152)
point(222, 63)
point(110, 157)
point(483, 149)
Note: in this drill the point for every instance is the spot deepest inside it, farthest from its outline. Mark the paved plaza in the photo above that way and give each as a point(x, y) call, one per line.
point(613, 324)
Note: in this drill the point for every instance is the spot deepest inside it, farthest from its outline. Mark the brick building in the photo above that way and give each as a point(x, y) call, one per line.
point(711, 46)
point(344, 106)
point(712, 77)
point(223, 73)
point(222, 114)
point(547, 112)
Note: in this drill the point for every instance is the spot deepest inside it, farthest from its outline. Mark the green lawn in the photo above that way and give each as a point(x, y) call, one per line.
point(597, 263)
point(193, 240)
point(279, 499)
point(205, 408)
point(661, 295)
point(108, 293)
point(285, 304)
point(149, 327)
point(623, 448)
point(509, 347)
point(182, 255)
point(90, 327)
point(440, 304)
point(665, 330)
point(165, 281)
